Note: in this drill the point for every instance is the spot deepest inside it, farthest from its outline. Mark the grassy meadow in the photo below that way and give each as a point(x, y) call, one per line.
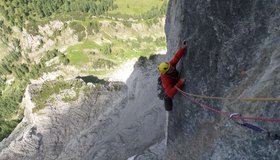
point(135, 7)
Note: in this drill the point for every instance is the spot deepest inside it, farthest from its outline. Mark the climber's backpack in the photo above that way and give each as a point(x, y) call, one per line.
point(160, 90)
point(162, 95)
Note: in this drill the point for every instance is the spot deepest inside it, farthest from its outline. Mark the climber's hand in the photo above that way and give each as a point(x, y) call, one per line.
point(181, 82)
point(184, 44)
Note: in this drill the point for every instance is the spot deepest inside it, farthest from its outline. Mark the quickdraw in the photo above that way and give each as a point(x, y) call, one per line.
point(244, 124)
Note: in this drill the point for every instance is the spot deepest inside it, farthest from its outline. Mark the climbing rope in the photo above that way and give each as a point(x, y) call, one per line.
point(237, 117)
point(231, 98)
point(245, 124)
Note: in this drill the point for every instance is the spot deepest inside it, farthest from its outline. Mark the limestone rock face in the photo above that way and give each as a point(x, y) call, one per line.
point(234, 51)
point(113, 121)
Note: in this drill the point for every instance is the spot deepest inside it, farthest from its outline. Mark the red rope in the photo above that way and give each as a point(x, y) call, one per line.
point(225, 113)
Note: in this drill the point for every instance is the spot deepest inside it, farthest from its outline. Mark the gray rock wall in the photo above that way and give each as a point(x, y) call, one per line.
point(115, 122)
point(234, 51)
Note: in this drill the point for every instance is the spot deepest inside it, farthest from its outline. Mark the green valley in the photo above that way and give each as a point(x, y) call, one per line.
point(77, 37)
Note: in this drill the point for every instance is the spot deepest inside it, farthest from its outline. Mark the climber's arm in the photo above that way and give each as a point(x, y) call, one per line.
point(179, 54)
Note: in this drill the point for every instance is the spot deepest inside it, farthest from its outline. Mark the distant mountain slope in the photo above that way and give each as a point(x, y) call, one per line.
point(72, 38)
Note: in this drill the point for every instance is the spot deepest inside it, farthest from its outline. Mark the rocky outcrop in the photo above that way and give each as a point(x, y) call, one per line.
point(115, 121)
point(54, 33)
point(234, 51)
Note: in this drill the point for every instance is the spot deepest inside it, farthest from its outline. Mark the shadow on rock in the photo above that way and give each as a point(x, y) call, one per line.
point(91, 79)
point(275, 135)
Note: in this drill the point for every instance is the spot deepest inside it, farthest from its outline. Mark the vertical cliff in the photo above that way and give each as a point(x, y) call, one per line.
point(234, 51)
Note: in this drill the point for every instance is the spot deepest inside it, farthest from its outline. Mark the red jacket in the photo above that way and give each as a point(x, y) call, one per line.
point(170, 80)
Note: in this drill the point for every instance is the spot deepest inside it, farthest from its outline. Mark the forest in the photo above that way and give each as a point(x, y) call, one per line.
point(12, 94)
point(18, 12)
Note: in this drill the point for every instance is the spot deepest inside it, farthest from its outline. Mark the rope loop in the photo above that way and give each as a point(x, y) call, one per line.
point(234, 116)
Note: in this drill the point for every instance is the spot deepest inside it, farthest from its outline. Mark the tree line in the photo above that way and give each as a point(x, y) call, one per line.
point(155, 12)
point(150, 17)
point(19, 11)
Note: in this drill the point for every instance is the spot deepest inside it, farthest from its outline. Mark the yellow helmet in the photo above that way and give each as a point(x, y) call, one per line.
point(163, 67)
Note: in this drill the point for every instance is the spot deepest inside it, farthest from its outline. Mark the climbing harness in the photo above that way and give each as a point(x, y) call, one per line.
point(225, 113)
point(168, 102)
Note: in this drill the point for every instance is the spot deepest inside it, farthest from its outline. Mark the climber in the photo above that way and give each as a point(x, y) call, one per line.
point(170, 78)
